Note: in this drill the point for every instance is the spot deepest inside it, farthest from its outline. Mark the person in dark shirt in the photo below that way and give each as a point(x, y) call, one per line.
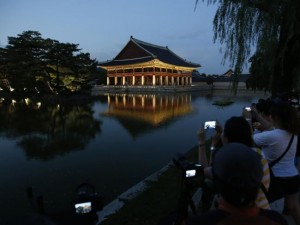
point(237, 173)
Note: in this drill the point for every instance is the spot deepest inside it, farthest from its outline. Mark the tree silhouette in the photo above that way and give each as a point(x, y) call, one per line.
point(272, 28)
point(33, 64)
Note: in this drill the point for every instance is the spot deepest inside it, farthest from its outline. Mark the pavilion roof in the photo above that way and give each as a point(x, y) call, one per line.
point(145, 52)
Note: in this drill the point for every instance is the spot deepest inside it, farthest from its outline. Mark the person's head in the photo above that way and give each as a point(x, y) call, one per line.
point(237, 129)
point(263, 107)
point(237, 172)
point(284, 116)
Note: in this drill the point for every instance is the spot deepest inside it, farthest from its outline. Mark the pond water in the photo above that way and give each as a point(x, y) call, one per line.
point(112, 143)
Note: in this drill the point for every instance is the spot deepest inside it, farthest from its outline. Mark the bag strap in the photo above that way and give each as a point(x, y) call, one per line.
point(262, 186)
point(280, 157)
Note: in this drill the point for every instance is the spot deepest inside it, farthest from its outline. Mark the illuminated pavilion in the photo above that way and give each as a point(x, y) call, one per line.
point(143, 64)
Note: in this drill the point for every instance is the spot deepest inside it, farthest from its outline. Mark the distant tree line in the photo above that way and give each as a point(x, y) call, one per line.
point(32, 64)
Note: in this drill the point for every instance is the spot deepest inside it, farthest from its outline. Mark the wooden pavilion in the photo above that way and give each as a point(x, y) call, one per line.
point(143, 64)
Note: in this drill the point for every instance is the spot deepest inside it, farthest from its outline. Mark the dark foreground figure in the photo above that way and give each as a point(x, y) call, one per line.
point(237, 175)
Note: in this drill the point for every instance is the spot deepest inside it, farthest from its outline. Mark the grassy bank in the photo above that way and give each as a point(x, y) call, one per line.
point(156, 203)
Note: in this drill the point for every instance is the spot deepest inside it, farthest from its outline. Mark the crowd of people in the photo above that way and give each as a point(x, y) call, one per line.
point(252, 163)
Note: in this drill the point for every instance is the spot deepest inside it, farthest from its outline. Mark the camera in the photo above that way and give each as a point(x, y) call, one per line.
point(209, 124)
point(88, 201)
point(190, 171)
point(192, 178)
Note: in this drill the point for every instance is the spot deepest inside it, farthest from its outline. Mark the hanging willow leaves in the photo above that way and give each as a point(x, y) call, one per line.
point(264, 32)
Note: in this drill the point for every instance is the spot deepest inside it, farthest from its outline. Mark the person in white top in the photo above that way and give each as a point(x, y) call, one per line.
point(274, 143)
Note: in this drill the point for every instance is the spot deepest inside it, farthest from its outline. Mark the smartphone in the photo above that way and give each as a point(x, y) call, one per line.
point(248, 108)
point(83, 207)
point(190, 173)
point(210, 124)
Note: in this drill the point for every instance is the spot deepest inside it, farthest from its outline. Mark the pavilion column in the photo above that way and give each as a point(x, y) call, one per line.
point(167, 80)
point(182, 80)
point(123, 79)
point(143, 80)
point(161, 80)
point(133, 80)
point(190, 81)
point(153, 80)
point(107, 80)
point(177, 79)
point(186, 80)
point(116, 80)
point(172, 80)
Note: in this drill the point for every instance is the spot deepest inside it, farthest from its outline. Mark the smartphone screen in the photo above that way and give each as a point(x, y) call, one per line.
point(209, 124)
point(190, 173)
point(84, 207)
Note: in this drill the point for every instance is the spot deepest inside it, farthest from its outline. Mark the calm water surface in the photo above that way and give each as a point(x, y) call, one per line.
point(112, 143)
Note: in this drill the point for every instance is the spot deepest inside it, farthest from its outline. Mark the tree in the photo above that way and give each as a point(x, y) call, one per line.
point(22, 60)
point(272, 28)
point(31, 63)
point(60, 59)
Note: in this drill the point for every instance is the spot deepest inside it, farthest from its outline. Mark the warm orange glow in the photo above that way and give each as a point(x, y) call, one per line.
point(149, 108)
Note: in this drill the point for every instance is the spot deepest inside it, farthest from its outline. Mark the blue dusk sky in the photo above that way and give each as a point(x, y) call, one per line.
point(103, 27)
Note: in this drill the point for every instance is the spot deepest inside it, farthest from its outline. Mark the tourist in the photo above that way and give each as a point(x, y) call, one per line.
point(260, 115)
point(274, 143)
point(236, 129)
point(237, 172)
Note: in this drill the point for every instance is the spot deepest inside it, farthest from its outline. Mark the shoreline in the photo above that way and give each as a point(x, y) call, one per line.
point(199, 87)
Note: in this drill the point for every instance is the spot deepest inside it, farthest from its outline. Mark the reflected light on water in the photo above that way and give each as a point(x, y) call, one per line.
point(114, 143)
point(27, 101)
point(39, 104)
point(152, 109)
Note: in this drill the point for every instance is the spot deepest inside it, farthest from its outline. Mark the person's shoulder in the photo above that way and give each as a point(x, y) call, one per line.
point(266, 135)
point(212, 217)
point(266, 132)
point(274, 216)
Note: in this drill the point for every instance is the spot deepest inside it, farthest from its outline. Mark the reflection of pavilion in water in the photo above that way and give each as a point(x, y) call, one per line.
point(152, 109)
point(139, 112)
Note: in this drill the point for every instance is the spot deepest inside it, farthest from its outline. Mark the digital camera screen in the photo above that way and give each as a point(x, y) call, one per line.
point(209, 124)
point(190, 173)
point(83, 207)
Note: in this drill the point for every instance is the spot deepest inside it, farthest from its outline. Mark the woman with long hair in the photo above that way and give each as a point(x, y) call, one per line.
point(274, 143)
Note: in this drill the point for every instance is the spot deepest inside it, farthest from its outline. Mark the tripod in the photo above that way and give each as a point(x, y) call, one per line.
point(185, 201)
